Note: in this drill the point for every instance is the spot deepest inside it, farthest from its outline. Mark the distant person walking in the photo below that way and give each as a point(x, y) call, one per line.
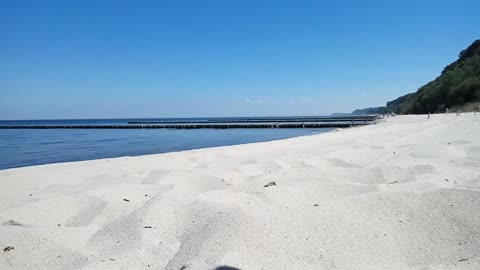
point(428, 117)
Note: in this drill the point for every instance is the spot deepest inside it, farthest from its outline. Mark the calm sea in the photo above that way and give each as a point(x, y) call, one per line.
point(26, 147)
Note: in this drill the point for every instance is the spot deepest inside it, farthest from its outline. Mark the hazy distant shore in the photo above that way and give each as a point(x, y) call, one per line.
point(402, 194)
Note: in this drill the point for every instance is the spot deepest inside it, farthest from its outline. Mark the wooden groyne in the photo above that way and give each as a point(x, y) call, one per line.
point(355, 119)
point(287, 122)
point(191, 126)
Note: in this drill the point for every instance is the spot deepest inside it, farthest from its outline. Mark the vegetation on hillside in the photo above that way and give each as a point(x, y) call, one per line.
point(458, 84)
point(372, 110)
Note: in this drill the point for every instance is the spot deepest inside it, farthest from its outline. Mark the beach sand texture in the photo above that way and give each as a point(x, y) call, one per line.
point(402, 194)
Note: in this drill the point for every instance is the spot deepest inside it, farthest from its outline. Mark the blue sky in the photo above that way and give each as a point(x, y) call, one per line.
point(113, 59)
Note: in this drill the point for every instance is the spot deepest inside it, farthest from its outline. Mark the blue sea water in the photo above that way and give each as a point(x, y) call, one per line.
point(26, 147)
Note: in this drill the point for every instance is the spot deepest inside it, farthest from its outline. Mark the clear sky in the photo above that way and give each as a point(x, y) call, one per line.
point(114, 59)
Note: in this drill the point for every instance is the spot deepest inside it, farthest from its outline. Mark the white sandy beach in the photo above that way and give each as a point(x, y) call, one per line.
point(402, 194)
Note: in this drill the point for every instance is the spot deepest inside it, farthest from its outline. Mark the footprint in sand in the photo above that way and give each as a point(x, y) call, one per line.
point(474, 151)
point(12, 223)
point(460, 142)
point(32, 251)
point(205, 231)
point(473, 156)
point(248, 162)
point(370, 176)
point(93, 208)
point(404, 175)
point(119, 235)
point(123, 233)
point(154, 176)
point(341, 163)
point(391, 175)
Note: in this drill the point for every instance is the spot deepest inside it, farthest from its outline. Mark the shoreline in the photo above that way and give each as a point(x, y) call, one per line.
point(401, 194)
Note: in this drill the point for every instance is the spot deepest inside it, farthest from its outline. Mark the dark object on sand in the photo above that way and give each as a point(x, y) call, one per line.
point(7, 248)
point(148, 227)
point(127, 200)
point(316, 205)
point(270, 184)
point(12, 223)
point(226, 268)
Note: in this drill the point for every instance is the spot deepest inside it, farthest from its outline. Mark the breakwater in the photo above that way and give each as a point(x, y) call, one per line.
point(333, 122)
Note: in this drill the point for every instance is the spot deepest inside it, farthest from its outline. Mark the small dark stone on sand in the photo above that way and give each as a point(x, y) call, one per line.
point(394, 153)
point(461, 260)
point(146, 195)
point(270, 184)
point(30, 195)
point(396, 181)
point(148, 227)
point(8, 248)
point(58, 225)
point(225, 267)
point(183, 267)
point(127, 200)
point(447, 180)
point(315, 205)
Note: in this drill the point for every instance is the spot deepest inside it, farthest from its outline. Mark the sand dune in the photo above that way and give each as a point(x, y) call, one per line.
point(402, 194)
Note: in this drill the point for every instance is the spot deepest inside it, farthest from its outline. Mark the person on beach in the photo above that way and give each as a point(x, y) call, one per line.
point(458, 113)
point(428, 117)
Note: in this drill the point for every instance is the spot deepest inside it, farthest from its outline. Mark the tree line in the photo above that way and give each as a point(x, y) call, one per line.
point(459, 83)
